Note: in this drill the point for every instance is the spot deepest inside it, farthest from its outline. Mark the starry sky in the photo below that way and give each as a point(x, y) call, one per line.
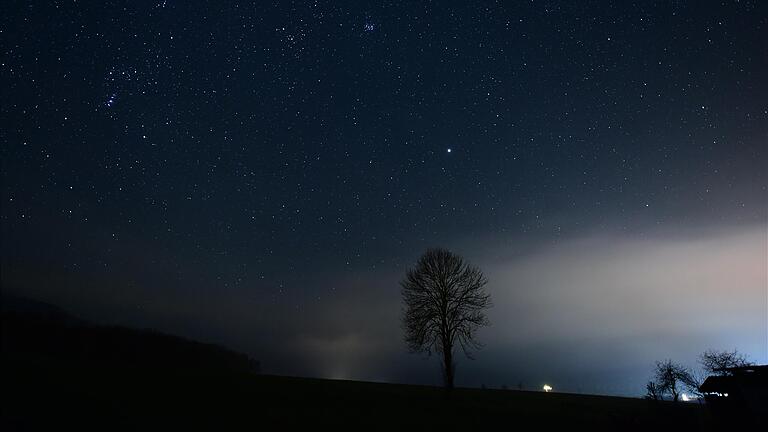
point(260, 175)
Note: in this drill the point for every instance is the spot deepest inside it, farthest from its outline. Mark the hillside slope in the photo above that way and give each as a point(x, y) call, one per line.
point(60, 372)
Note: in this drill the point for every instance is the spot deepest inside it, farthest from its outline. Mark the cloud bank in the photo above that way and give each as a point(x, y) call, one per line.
point(587, 314)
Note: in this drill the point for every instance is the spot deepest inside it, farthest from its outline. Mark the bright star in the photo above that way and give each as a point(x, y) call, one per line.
point(449, 150)
point(111, 101)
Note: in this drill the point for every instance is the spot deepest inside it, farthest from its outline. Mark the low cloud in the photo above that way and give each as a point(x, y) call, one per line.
point(587, 314)
point(608, 303)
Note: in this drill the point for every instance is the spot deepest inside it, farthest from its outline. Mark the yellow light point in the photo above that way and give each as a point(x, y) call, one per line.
point(547, 388)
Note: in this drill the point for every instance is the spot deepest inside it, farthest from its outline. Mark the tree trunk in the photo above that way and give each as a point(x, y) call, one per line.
point(448, 366)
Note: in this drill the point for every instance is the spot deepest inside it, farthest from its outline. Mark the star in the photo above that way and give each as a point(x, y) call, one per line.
point(111, 100)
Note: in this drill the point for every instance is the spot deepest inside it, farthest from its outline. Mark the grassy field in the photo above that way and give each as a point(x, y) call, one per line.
point(62, 373)
point(67, 397)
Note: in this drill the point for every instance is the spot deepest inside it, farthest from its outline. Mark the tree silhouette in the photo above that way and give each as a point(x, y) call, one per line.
point(671, 378)
point(716, 362)
point(652, 391)
point(444, 299)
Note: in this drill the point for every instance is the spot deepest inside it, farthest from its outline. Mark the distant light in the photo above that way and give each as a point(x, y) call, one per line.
point(547, 388)
point(686, 398)
point(449, 150)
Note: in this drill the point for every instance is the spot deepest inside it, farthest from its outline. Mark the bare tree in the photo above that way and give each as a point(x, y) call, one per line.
point(444, 299)
point(652, 391)
point(672, 378)
point(716, 362)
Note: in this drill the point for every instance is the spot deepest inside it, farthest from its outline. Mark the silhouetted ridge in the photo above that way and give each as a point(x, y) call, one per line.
point(34, 309)
point(40, 332)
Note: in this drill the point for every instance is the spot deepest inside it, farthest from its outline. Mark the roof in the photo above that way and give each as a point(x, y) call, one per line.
point(739, 376)
point(720, 384)
point(753, 369)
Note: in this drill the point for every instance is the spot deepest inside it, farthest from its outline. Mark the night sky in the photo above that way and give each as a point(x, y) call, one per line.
point(261, 176)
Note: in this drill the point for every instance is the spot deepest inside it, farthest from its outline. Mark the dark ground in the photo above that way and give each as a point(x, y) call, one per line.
point(61, 373)
point(76, 399)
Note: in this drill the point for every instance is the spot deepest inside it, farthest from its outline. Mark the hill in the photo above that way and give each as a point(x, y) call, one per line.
point(46, 335)
point(61, 372)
